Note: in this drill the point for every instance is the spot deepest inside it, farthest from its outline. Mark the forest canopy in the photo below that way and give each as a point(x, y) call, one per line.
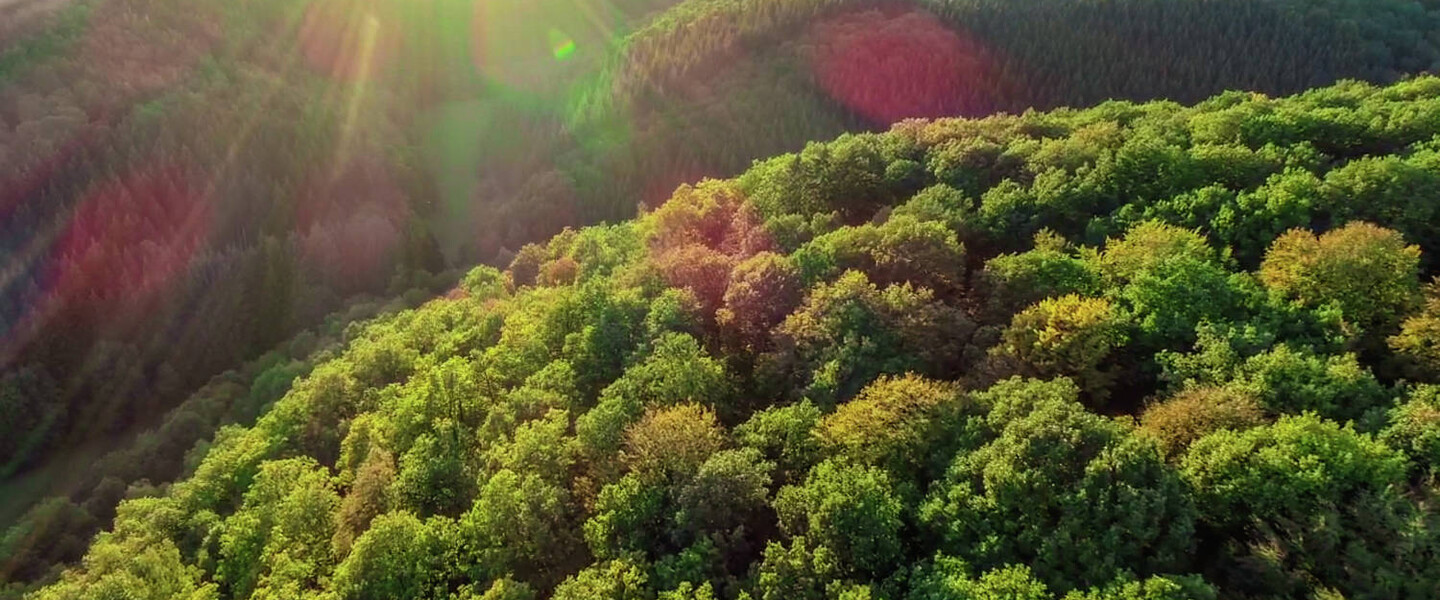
point(186, 184)
point(1136, 351)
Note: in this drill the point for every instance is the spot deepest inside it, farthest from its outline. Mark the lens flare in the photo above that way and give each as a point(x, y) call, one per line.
point(506, 48)
point(534, 46)
point(129, 238)
point(893, 64)
point(346, 40)
point(561, 45)
point(126, 243)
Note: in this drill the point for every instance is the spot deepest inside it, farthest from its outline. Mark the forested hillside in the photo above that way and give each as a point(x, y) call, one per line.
point(712, 84)
point(83, 495)
point(183, 186)
point(1133, 351)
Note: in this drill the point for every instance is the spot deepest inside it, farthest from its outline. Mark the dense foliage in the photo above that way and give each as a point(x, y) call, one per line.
point(184, 185)
point(81, 488)
point(1134, 351)
point(679, 100)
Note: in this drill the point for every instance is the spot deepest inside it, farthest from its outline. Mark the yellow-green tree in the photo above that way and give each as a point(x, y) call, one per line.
point(1367, 270)
point(1193, 413)
point(897, 423)
point(1418, 341)
point(1067, 336)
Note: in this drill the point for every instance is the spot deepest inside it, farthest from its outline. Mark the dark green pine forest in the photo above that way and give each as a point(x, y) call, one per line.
point(720, 299)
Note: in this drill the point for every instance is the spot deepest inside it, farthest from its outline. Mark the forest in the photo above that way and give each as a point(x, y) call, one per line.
point(184, 186)
point(1136, 351)
point(1184, 343)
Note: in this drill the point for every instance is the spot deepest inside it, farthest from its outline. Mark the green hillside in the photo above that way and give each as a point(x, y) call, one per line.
point(1132, 351)
point(183, 186)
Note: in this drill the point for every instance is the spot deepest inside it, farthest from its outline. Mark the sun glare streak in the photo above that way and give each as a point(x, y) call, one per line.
point(336, 40)
point(257, 112)
point(607, 32)
point(39, 250)
point(369, 33)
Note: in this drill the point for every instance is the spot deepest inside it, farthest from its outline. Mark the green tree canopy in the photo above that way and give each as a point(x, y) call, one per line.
point(1367, 270)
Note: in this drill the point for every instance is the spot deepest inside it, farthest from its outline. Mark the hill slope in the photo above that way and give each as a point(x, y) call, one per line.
point(1134, 351)
point(710, 85)
point(185, 187)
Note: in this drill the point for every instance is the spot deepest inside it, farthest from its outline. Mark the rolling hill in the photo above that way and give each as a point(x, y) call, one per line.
point(1132, 351)
point(185, 186)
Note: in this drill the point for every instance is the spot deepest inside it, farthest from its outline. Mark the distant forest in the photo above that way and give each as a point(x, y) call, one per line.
point(1136, 351)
